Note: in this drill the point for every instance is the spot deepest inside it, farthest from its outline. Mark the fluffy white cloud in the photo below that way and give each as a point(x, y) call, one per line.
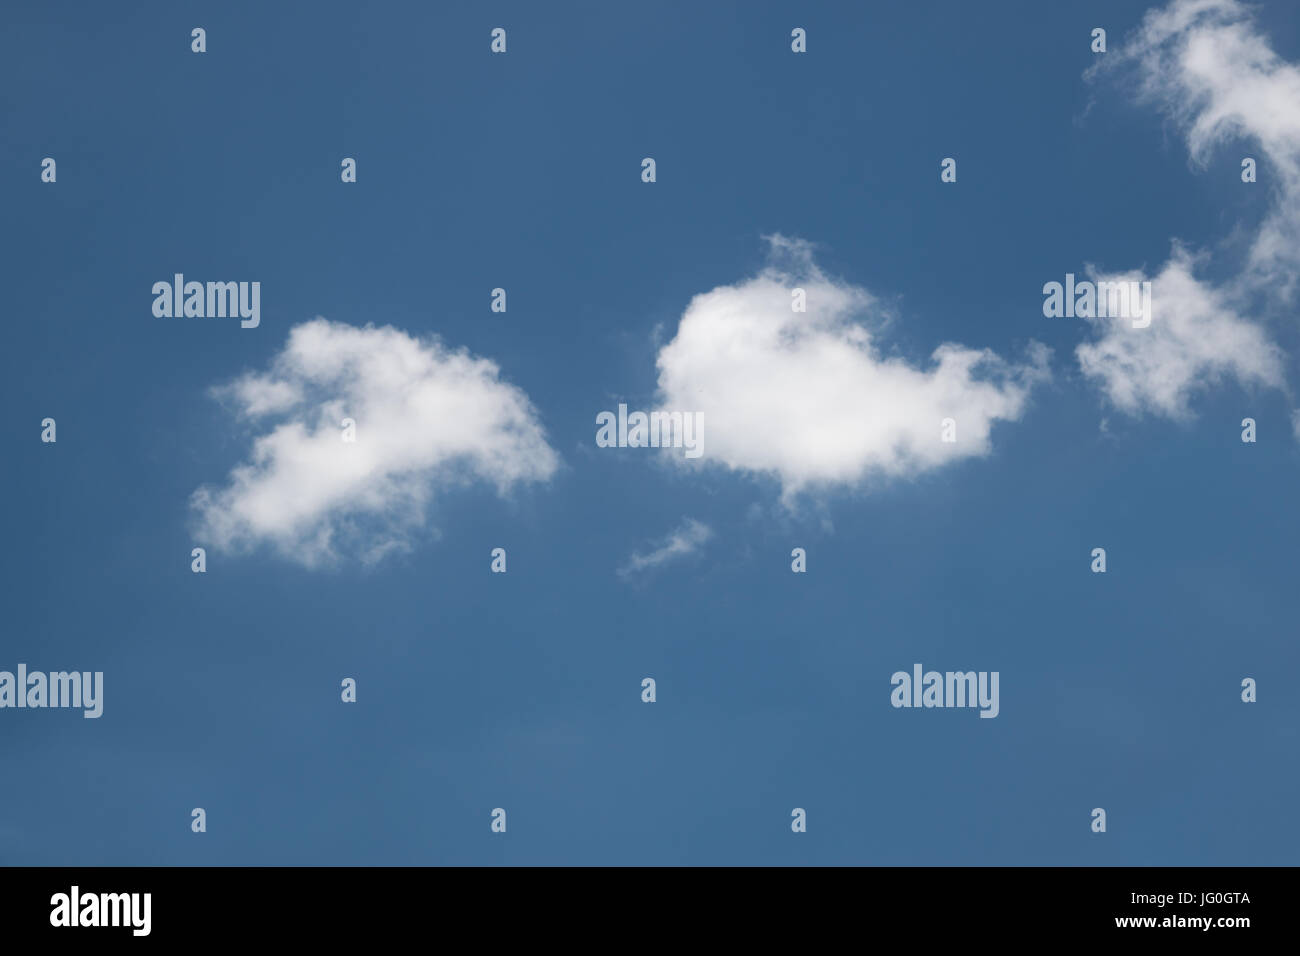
point(1205, 64)
point(1194, 341)
point(810, 399)
point(426, 418)
point(688, 538)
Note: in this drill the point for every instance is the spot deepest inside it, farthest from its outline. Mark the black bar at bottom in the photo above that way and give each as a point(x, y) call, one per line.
point(336, 905)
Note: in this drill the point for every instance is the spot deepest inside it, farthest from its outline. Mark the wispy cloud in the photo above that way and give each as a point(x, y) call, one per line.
point(426, 419)
point(686, 539)
point(1196, 339)
point(1207, 67)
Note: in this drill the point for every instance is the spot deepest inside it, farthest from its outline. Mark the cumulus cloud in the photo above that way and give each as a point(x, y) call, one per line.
point(687, 539)
point(810, 399)
point(426, 418)
point(1208, 68)
point(1194, 341)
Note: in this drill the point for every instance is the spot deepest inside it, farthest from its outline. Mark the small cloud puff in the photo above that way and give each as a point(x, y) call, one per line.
point(688, 538)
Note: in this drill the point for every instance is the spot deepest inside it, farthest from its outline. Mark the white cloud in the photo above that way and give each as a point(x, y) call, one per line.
point(1194, 341)
point(810, 399)
point(426, 418)
point(1206, 66)
point(688, 538)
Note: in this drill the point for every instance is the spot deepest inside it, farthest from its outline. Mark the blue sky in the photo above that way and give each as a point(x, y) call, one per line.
point(522, 690)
